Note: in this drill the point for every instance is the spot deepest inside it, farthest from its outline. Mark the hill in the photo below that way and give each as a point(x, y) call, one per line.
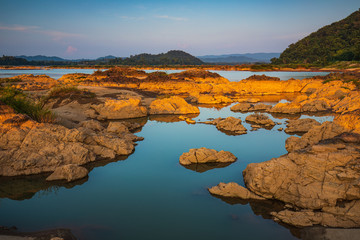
point(339, 41)
point(174, 57)
point(239, 58)
point(42, 58)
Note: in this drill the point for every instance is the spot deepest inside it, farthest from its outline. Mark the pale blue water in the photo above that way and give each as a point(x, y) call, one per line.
point(233, 76)
point(54, 73)
point(151, 196)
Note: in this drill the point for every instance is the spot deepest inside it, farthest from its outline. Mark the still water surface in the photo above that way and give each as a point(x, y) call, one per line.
point(233, 76)
point(150, 195)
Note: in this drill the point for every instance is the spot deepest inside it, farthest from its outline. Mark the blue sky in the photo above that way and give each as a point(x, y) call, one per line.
point(91, 28)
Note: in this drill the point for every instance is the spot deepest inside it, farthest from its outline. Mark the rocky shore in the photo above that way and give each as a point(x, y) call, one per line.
point(317, 180)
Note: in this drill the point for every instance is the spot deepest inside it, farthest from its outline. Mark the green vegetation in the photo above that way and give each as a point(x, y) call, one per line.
point(170, 58)
point(339, 41)
point(22, 104)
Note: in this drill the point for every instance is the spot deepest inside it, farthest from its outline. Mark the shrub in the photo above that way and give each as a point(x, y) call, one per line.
point(22, 104)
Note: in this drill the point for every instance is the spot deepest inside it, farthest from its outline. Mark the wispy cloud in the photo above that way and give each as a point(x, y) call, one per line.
point(56, 35)
point(171, 18)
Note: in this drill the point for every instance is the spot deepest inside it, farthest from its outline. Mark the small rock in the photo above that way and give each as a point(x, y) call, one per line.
point(68, 172)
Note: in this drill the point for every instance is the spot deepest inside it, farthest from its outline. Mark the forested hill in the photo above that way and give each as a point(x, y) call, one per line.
point(339, 41)
point(174, 57)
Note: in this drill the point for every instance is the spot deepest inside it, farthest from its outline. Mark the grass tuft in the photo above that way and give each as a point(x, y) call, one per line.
point(22, 104)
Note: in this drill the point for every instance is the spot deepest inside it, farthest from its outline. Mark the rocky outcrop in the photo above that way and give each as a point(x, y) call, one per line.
point(317, 133)
point(229, 125)
point(27, 147)
point(205, 155)
point(172, 105)
point(69, 172)
point(301, 125)
point(120, 109)
point(248, 107)
point(287, 108)
point(260, 119)
point(319, 184)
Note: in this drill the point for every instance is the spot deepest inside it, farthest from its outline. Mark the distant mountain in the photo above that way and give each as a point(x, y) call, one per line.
point(339, 41)
point(239, 58)
point(173, 57)
point(42, 58)
point(106, 58)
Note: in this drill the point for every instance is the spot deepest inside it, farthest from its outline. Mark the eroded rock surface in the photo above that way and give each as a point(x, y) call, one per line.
point(301, 125)
point(233, 190)
point(70, 172)
point(248, 107)
point(120, 109)
point(260, 119)
point(205, 155)
point(28, 147)
point(229, 125)
point(172, 105)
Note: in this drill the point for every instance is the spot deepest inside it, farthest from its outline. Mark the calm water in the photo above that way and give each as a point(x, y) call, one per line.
point(150, 195)
point(235, 76)
point(54, 73)
point(231, 75)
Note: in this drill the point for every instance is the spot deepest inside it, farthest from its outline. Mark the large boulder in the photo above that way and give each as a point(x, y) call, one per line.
point(27, 147)
point(120, 109)
point(204, 155)
point(172, 105)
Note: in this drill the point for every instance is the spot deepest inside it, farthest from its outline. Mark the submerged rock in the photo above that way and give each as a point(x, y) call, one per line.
point(204, 155)
point(172, 105)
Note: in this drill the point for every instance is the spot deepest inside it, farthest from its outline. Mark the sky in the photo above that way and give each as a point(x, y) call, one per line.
point(76, 29)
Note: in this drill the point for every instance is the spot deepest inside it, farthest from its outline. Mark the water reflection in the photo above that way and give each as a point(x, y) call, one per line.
point(264, 209)
point(205, 166)
point(25, 187)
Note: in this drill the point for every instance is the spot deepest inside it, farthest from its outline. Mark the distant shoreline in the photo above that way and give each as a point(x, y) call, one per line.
point(204, 67)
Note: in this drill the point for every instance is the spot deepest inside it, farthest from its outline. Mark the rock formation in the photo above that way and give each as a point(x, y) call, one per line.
point(260, 119)
point(301, 125)
point(229, 125)
point(204, 155)
point(172, 105)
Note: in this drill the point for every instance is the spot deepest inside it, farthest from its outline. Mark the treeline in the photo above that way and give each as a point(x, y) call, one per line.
point(339, 41)
point(170, 58)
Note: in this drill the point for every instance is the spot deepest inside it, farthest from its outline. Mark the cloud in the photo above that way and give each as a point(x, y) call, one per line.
point(171, 18)
point(56, 35)
point(70, 50)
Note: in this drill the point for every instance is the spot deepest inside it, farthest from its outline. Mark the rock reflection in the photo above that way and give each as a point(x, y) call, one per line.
point(171, 118)
point(205, 166)
point(266, 207)
point(25, 187)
